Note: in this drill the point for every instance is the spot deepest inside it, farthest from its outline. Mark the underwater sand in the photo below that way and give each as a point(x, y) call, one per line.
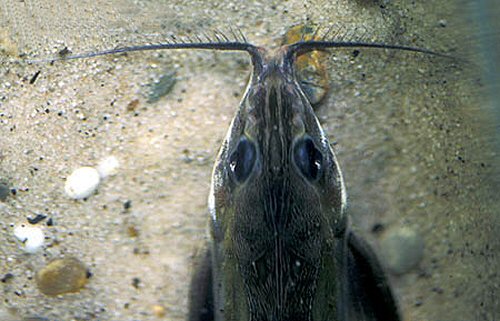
point(415, 143)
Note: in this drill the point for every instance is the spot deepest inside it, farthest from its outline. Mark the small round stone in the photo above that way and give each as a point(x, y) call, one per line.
point(402, 250)
point(82, 182)
point(443, 23)
point(159, 311)
point(108, 166)
point(31, 237)
point(62, 276)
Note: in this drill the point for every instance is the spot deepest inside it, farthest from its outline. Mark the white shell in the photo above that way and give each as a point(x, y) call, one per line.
point(31, 237)
point(82, 182)
point(108, 166)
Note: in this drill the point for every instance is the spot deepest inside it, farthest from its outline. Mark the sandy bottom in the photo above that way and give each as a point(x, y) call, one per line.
point(413, 140)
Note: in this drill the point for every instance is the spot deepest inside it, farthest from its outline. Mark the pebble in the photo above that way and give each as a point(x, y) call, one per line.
point(108, 166)
point(159, 311)
point(67, 275)
point(443, 23)
point(402, 250)
point(4, 192)
point(31, 237)
point(162, 87)
point(133, 105)
point(82, 182)
point(37, 219)
point(311, 67)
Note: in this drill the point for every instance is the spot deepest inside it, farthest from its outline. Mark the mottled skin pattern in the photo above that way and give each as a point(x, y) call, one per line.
point(282, 250)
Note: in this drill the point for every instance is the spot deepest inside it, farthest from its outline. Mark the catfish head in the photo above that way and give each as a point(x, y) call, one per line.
point(277, 204)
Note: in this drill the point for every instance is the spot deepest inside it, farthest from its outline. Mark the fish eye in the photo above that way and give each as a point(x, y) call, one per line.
point(242, 160)
point(307, 158)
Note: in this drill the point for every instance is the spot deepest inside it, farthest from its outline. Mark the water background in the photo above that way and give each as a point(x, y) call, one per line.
point(416, 136)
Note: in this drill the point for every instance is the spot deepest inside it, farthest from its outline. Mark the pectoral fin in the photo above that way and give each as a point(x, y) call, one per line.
point(369, 296)
point(200, 289)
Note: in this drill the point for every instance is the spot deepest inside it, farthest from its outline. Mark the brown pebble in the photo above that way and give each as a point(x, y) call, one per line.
point(132, 231)
point(62, 276)
point(158, 311)
point(133, 105)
